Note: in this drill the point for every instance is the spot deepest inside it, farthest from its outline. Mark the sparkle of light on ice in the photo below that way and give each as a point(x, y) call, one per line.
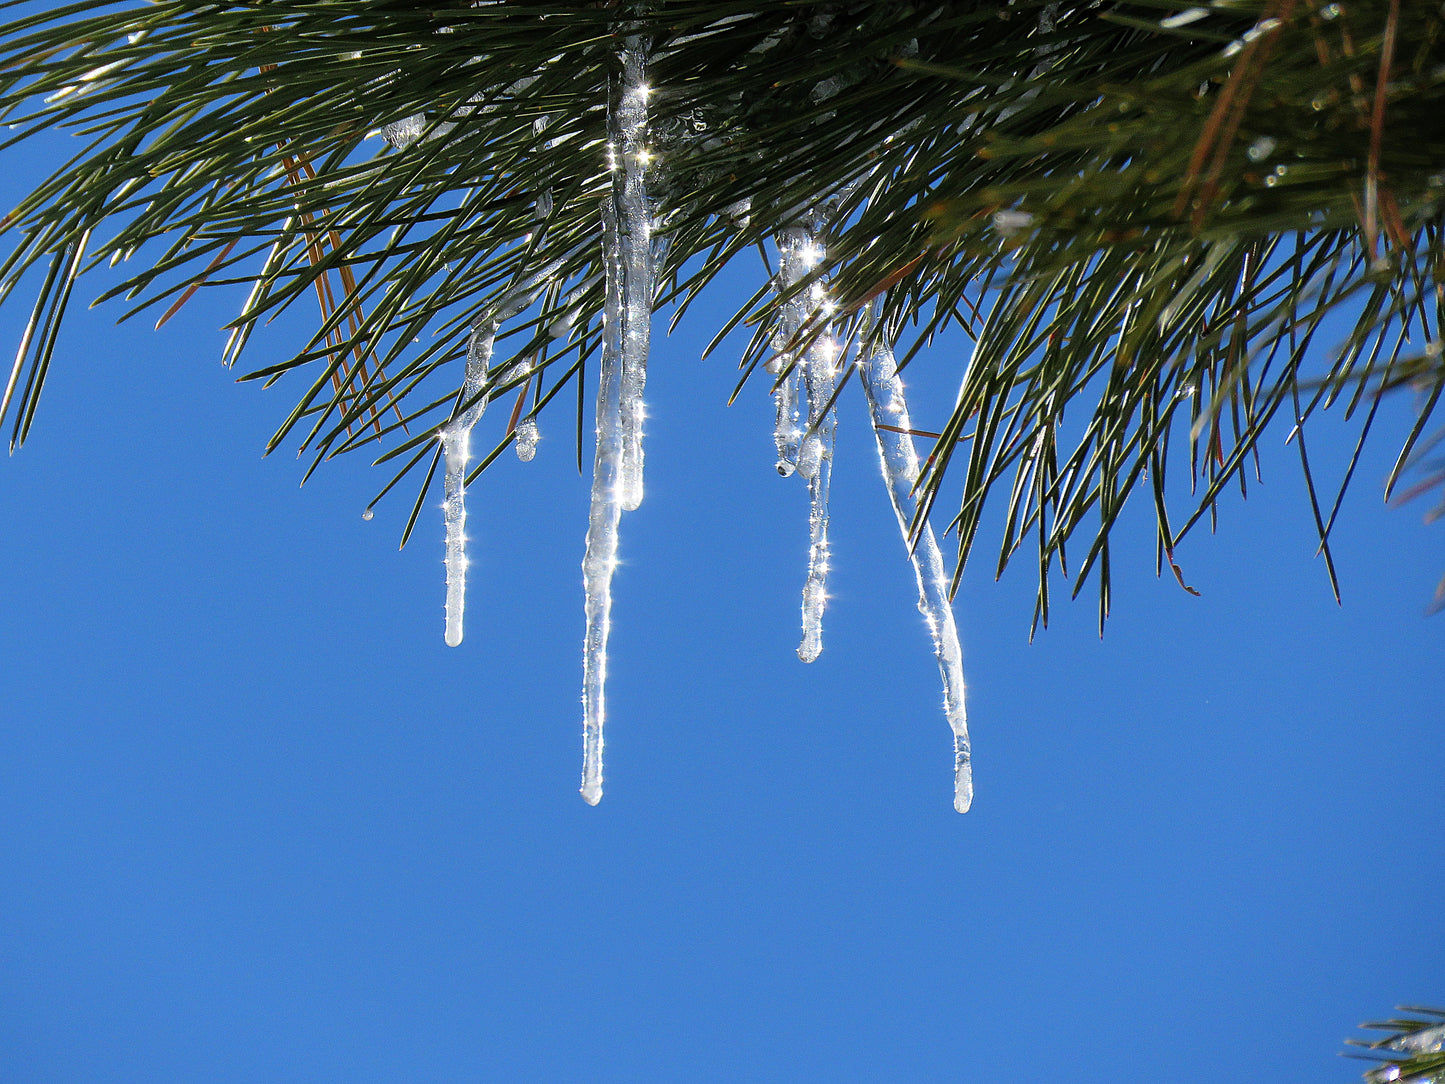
point(457, 448)
point(629, 133)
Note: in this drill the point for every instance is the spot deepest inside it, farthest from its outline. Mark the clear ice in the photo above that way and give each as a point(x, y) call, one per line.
point(403, 133)
point(803, 433)
point(888, 408)
point(793, 243)
point(456, 439)
point(815, 463)
point(1428, 1039)
point(605, 513)
point(628, 133)
point(527, 437)
point(456, 446)
point(626, 332)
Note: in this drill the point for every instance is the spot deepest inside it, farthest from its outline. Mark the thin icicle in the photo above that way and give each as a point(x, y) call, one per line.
point(795, 245)
point(803, 434)
point(457, 445)
point(457, 438)
point(815, 462)
point(889, 413)
point(628, 134)
point(605, 513)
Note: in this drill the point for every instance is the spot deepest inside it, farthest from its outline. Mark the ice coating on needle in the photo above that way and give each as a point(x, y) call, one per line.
point(403, 133)
point(457, 448)
point(627, 131)
point(888, 411)
point(605, 513)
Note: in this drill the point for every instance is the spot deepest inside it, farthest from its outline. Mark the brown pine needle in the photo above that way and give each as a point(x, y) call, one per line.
point(191, 290)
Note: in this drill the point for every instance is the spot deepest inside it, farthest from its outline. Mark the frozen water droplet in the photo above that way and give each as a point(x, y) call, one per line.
point(527, 438)
point(366, 515)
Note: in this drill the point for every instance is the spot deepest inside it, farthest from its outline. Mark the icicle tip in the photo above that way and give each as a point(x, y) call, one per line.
point(962, 775)
point(963, 796)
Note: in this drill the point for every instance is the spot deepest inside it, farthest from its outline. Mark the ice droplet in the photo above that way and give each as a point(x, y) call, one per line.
point(527, 438)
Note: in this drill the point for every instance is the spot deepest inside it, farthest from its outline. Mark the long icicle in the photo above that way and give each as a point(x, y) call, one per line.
point(627, 132)
point(888, 411)
point(626, 335)
point(606, 511)
point(457, 447)
point(815, 463)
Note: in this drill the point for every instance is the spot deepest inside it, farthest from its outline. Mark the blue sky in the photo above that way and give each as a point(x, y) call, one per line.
point(258, 823)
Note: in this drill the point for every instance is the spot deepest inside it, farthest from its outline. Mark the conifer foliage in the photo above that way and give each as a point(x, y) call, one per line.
point(1141, 213)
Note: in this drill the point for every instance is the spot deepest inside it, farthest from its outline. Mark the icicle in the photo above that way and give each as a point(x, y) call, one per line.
point(628, 134)
point(456, 445)
point(815, 463)
point(803, 434)
point(606, 510)
point(627, 253)
point(887, 408)
point(793, 244)
point(456, 437)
